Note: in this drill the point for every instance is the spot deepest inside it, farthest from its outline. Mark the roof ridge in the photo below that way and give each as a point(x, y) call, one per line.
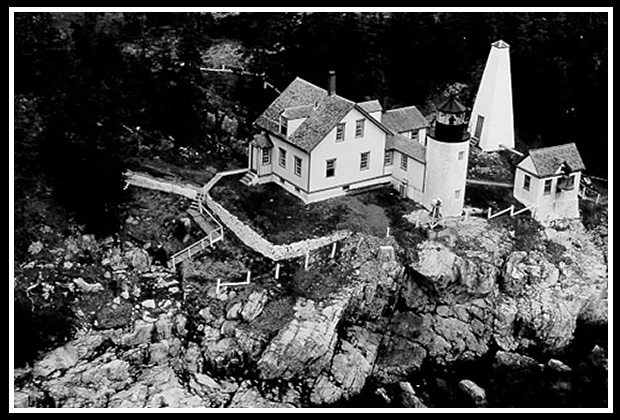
point(557, 146)
point(310, 83)
point(402, 107)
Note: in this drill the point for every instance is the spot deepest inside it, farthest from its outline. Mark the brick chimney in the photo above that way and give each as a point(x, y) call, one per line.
point(331, 83)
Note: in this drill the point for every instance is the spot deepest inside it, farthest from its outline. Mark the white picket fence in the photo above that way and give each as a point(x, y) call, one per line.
point(221, 284)
point(511, 210)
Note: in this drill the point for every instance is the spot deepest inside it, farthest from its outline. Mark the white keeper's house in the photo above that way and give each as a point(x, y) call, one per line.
point(318, 145)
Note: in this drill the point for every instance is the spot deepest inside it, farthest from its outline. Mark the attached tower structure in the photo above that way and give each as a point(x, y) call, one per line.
point(447, 154)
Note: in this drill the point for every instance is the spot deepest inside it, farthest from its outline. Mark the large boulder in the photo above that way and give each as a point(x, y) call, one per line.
point(306, 345)
point(475, 393)
point(254, 305)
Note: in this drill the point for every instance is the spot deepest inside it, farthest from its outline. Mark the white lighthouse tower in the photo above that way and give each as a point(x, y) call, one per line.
point(447, 154)
point(491, 122)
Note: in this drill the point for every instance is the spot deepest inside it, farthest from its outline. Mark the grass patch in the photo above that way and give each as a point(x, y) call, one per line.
point(485, 196)
point(152, 218)
point(283, 218)
point(276, 314)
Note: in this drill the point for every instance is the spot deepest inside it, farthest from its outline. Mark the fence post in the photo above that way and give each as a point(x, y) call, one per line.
point(217, 287)
point(307, 260)
point(333, 254)
point(247, 279)
point(489, 213)
point(277, 271)
point(387, 233)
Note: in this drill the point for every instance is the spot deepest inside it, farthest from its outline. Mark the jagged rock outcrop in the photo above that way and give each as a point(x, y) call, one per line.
point(467, 292)
point(249, 397)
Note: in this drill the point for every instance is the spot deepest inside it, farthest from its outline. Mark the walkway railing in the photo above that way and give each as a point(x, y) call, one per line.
point(212, 237)
point(510, 210)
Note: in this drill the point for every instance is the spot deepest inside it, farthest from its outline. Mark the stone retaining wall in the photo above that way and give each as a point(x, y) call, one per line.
point(245, 233)
point(251, 238)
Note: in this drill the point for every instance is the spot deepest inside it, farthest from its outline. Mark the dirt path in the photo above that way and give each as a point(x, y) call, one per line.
point(491, 183)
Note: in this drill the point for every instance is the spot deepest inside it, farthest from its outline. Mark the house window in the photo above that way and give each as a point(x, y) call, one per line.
point(340, 132)
point(527, 181)
point(364, 161)
point(297, 166)
point(283, 125)
point(547, 189)
point(388, 158)
point(266, 156)
point(461, 155)
point(282, 158)
point(359, 128)
point(403, 162)
point(330, 168)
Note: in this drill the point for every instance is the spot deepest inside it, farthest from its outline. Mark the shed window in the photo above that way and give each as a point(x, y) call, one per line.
point(526, 182)
point(547, 189)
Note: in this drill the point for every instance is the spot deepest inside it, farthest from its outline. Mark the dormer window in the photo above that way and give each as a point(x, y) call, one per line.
point(283, 125)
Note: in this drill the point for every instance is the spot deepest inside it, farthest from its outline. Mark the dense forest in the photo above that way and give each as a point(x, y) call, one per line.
point(97, 92)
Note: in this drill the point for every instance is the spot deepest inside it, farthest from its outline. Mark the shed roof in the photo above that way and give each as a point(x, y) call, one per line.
point(404, 119)
point(548, 160)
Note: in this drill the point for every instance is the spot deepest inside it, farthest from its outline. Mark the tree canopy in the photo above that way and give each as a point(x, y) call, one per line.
point(96, 90)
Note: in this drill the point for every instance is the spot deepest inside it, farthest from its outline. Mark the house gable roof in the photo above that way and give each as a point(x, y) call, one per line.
point(371, 106)
point(406, 146)
point(322, 111)
point(548, 160)
point(404, 119)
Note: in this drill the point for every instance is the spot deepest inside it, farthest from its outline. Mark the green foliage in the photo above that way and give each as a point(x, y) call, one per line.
point(592, 215)
point(40, 324)
point(110, 86)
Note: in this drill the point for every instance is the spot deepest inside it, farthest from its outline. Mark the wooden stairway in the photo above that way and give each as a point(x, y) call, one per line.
point(249, 179)
point(206, 222)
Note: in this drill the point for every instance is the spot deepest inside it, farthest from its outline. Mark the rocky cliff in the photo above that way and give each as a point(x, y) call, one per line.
point(470, 292)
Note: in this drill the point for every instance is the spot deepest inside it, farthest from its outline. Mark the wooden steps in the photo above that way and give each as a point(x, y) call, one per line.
point(201, 221)
point(248, 179)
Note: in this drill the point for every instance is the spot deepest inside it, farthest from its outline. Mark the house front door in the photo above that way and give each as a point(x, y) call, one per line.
point(254, 155)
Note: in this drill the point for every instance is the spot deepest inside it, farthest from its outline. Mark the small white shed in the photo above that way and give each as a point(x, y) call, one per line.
point(549, 178)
